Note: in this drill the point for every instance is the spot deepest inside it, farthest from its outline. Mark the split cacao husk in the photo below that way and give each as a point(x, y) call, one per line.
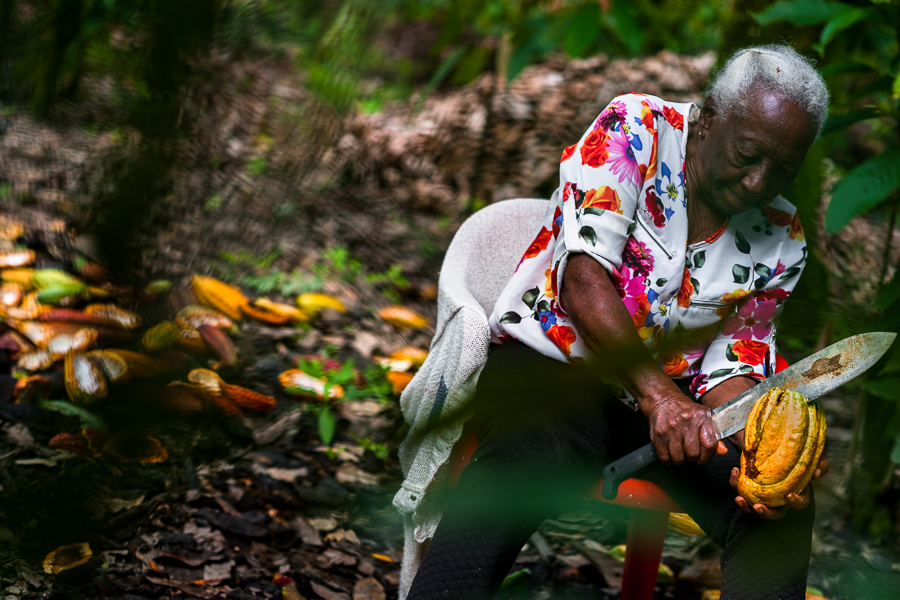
point(314, 302)
point(208, 381)
point(11, 294)
point(403, 317)
point(219, 295)
point(85, 382)
point(67, 557)
point(40, 334)
point(136, 447)
point(399, 380)
point(248, 400)
point(783, 441)
point(57, 293)
point(263, 310)
point(161, 337)
point(114, 316)
point(35, 360)
point(194, 316)
point(180, 399)
point(82, 340)
point(220, 344)
point(140, 365)
point(16, 258)
point(28, 308)
point(113, 366)
point(191, 341)
point(20, 276)
point(298, 383)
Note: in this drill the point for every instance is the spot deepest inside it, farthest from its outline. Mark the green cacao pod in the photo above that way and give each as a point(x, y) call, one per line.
point(783, 441)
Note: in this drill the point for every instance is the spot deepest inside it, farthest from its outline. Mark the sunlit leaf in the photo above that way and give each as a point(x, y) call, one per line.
point(800, 12)
point(864, 188)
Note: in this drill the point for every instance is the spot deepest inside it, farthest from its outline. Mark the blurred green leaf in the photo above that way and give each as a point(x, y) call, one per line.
point(842, 121)
point(471, 65)
point(800, 12)
point(844, 67)
point(582, 30)
point(326, 425)
point(839, 22)
point(864, 188)
point(884, 388)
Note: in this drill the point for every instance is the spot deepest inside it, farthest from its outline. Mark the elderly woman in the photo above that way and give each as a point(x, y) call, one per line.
point(662, 265)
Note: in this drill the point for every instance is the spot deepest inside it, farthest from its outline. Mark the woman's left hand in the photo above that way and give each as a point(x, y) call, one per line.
point(794, 500)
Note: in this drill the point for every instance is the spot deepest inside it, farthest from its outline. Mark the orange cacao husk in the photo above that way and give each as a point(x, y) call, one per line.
point(219, 295)
point(248, 400)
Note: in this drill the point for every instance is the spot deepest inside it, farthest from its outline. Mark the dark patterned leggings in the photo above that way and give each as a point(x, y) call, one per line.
point(544, 430)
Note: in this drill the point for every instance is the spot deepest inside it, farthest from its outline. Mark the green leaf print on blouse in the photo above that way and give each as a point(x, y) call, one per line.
point(531, 296)
point(510, 318)
point(740, 273)
point(741, 242)
point(699, 259)
point(589, 234)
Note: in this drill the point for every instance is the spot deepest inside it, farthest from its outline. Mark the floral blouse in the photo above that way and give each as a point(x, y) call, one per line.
point(706, 310)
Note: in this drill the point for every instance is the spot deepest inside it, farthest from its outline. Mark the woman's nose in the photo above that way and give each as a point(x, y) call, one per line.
point(755, 180)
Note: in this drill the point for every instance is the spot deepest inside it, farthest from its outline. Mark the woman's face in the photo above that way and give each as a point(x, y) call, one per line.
point(743, 161)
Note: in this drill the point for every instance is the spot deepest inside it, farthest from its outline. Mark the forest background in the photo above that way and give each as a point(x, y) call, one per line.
point(238, 137)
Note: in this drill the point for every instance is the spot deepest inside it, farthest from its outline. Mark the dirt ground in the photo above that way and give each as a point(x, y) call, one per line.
point(281, 201)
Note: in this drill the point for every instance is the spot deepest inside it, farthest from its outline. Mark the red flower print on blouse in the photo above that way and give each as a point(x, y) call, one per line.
point(753, 320)
point(655, 208)
point(539, 244)
point(778, 295)
point(593, 151)
point(750, 352)
point(776, 217)
point(603, 197)
point(562, 336)
point(673, 363)
point(639, 307)
point(637, 257)
point(614, 115)
point(568, 152)
point(557, 221)
point(686, 291)
point(674, 118)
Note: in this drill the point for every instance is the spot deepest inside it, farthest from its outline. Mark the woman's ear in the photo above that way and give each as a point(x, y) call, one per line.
point(708, 112)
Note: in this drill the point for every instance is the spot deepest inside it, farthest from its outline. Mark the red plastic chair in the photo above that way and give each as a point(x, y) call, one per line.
point(647, 522)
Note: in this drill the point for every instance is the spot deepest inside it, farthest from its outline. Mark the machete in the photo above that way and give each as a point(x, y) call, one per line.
point(813, 376)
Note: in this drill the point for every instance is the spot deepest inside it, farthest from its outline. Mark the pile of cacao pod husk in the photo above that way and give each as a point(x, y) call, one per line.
point(78, 335)
point(783, 442)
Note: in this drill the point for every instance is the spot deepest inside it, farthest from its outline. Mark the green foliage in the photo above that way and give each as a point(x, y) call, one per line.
point(372, 383)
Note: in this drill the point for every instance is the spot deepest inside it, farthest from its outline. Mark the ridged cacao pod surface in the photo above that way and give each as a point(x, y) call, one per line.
point(783, 441)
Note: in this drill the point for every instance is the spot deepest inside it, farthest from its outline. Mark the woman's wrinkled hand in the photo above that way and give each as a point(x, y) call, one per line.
point(794, 500)
point(682, 431)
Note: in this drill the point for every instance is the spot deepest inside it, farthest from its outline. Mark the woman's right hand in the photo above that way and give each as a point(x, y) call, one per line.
point(682, 431)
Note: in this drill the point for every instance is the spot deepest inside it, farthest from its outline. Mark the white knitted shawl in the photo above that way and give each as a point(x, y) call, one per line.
point(481, 258)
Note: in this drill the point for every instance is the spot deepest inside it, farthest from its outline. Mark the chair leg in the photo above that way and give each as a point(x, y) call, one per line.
point(643, 552)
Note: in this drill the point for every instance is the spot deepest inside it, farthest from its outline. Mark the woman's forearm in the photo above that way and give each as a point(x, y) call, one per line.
point(594, 305)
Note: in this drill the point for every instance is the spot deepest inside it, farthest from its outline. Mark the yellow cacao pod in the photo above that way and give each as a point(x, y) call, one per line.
point(783, 441)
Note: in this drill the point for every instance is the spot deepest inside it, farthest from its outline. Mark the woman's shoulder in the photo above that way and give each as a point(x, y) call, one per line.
point(649, 110)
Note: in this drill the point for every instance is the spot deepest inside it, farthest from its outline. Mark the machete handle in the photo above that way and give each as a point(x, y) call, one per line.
point(623, 468)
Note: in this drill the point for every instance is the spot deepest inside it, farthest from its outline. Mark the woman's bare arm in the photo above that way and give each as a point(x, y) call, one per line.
point(681, 430)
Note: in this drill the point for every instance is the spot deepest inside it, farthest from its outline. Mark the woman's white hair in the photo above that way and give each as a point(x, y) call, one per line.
point(775, 67)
